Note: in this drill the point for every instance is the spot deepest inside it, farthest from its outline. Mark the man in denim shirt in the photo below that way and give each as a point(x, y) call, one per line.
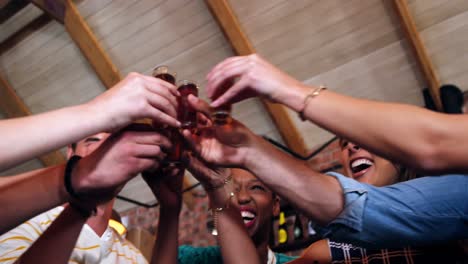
point(422, 211)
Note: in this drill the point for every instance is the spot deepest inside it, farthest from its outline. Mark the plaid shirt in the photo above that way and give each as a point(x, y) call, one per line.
point(343, 253)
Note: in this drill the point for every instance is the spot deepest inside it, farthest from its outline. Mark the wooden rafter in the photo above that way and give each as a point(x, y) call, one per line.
point(422, 58)
point(231, 27)
point(66, 12)
point(12, 105)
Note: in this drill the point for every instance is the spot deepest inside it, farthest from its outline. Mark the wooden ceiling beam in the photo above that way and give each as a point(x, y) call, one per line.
point(85, 39)
point(13, 106)
point(241, 45)
point(423, 60)
point(65, 12)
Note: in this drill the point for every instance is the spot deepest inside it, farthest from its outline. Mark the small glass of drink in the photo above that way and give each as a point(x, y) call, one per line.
point(185, 113)
point(163, 72)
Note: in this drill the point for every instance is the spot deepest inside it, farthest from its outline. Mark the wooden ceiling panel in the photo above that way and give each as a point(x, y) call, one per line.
point(387, 75)
point(428, 13)
point(22, 18)
point(90, 8)
point(9, 8)
point(152, 38)
point(116, 21)
point(34, 55)
point(446, 37)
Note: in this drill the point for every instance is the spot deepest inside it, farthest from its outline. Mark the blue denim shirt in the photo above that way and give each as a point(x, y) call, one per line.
point(423, 211)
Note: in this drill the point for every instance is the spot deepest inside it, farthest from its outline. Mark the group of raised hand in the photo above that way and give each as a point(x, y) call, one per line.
point(431, 142)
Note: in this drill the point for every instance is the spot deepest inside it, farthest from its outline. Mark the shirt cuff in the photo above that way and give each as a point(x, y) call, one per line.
point(355, 196)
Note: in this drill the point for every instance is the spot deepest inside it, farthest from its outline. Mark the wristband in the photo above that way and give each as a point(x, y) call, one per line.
point(68, 174)
point(86, 213)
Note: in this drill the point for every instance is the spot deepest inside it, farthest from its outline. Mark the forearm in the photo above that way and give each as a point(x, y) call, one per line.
point(233, 239)
point(318, 196)
point(56, 244)
point(25, 196)
point(407, 134)
point(166, 246)
point(46, 132)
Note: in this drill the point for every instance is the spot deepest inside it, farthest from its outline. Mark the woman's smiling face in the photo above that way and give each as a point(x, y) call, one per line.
point(256, 203)
point(367, 167)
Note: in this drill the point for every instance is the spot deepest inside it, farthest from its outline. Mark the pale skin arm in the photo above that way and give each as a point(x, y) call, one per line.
point(98, 176)
point(317, 253)
point(135, 97)
point(410, 135)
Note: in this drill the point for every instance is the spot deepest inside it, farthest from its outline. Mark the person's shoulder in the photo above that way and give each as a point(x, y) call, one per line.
point(190, 254)
point(188, 249)
point(36, 225)
point(282, 258)
point(124, 247)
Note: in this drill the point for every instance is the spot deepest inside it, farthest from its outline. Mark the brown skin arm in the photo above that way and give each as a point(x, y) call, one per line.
point(233, 239)
point(30, 194)
point(167, 188)
point(318, 253)
point(41, 250)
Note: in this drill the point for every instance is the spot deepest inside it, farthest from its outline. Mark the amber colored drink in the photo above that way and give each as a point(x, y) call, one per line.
point(164, 73)
point(166, 77)
point(185, 113)
point(175, 154)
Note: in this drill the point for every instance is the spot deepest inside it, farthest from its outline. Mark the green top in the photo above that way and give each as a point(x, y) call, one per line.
point(212, 255)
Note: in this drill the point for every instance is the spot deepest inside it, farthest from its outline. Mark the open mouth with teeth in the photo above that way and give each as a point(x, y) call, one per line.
point(248, 217)
point(360, 166)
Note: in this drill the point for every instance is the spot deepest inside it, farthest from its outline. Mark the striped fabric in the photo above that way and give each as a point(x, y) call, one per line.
point(343, 253)
point(89, 249)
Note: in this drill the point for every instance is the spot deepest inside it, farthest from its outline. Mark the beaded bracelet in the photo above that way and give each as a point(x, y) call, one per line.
point(217, 210)
point(226, 181)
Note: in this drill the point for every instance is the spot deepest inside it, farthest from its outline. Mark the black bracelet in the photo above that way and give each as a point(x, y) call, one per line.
point(86, 213)
point(67, 178)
